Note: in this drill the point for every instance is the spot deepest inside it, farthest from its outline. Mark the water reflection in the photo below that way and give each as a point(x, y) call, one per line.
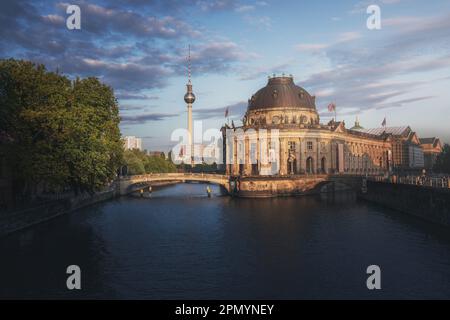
point(181, 244)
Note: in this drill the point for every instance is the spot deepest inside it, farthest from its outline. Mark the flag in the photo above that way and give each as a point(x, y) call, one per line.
point(226, 112)
point(331, 107)
point(384, 122)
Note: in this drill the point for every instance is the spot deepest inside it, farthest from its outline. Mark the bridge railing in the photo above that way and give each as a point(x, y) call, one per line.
point(435, 182)
point(175, 175)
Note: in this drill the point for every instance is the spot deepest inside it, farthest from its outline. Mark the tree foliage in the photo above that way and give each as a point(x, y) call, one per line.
point(138, 162)
point(60, 132)
point(201, 168)
point(442, 164)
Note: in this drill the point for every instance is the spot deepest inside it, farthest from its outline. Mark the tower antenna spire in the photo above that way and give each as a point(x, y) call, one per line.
point(189, 98)
point(189, 63)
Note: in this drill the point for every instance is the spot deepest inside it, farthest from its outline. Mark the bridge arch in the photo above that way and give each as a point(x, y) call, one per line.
point(134, 183)
point(338, 182)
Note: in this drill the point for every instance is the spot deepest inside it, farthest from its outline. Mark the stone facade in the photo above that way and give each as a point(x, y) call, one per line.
point(431, 147)
point(407, 152)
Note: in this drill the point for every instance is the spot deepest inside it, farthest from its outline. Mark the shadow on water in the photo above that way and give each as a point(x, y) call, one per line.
point(180, 244)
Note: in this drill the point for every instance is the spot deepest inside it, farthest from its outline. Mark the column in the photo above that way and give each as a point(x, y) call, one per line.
point(258, 156)
point(298, 156)
point(283, 159)
point(247, 160)
point(318, 158)
point(235, 165)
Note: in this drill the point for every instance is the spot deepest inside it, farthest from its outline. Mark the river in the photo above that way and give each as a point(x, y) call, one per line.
point(180, 244)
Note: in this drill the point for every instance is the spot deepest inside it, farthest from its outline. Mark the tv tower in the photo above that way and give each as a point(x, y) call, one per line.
point(189, 98)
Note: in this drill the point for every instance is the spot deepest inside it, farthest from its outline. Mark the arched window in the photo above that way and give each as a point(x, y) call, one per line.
point(309, 165)
point(323, 165)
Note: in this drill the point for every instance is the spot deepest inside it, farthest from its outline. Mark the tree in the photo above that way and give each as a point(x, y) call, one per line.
point(139, 162)
point(97, 139)
point(61, 133)
point(133, 162)
point(442, 164)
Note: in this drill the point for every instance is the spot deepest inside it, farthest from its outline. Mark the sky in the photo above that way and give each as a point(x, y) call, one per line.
point(400, 72)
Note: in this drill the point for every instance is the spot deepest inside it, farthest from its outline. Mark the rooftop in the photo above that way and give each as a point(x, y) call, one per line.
point(396, 131)
point(281, 92)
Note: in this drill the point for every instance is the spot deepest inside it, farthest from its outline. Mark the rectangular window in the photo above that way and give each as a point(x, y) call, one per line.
point(309, 145)
point(291, 145)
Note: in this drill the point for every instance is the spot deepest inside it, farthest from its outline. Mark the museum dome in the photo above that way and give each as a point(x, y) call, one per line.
point(281, 92)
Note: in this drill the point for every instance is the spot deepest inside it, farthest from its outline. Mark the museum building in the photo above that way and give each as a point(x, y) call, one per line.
point(302, 145)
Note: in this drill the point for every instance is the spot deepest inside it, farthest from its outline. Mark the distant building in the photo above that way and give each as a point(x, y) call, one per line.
point(131, 142)
point(431, 147)
point(407, 152)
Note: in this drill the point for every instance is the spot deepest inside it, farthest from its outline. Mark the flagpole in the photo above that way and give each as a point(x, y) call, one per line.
point(332, 107)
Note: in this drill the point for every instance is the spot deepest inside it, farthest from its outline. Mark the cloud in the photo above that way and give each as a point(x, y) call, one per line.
point(261, 22)
point(102, 20)
point(157, 5)
point(311, 47)
point(342, 38)
point(347, 36)
point(361, 6)
point(134, 96)
point(212, 57)
point(145, 117)
point(356, 89)
point(265, 71)
point(54, 19)
point(132, 107)
point(401, 21)
point(362, 72)
point(244, 8)
point(401, 103)
point(131, 48)
point(217, 5)
point(234, 110)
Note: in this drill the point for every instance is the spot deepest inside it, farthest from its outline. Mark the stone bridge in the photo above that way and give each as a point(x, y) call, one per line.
point(134, 183)
point(258, 186)
point(272, 186)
